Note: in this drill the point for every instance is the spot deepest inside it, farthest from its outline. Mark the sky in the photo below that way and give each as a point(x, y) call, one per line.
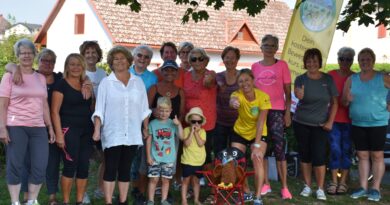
point(36, 11)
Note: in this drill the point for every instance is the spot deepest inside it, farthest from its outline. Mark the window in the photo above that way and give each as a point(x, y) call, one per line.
point(79, 24)
point(382, 31)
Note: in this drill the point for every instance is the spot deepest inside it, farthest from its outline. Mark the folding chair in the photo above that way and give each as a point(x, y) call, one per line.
point(228, 194)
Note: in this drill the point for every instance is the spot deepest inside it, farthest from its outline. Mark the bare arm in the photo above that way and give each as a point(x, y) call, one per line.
point(16, 73)
point(187, 141)
point(47, 119)
point(332, 114)
point(386, 79)
point(182, 105)
point(347, 96)
point(149, 158)
point(97, 125)
point(198, 139)
point(287, 114)
point(4, 137)
point(56, 103)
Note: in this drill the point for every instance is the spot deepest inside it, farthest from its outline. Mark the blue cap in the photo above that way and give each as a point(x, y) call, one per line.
point(170, 64)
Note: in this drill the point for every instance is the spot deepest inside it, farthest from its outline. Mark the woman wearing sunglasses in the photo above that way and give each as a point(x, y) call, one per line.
point(250, 127)
point(200, 90)
point(339, 137)
point(71, 115)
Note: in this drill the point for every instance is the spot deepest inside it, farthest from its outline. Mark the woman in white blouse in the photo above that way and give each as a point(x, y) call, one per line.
point(121, 108)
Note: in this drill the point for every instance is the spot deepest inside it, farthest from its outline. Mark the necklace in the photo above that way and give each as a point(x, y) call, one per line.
point(168, 94)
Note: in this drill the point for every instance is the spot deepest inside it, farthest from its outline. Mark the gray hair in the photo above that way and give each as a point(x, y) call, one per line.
point(271, 37)
point(47, 52)
point(25, 43)
point(198, 50)
point(184, 45)
point(138, 49)
point(345, 50)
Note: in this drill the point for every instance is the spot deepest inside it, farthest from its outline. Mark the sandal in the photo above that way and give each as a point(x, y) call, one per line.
point(53, 202)
point(342, 189)
point(331, 188)
point(209, 199)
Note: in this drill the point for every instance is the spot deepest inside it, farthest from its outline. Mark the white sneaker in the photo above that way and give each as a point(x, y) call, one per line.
point(86, 199)
point(321, 194)
point(306, 191)
point(202, 181)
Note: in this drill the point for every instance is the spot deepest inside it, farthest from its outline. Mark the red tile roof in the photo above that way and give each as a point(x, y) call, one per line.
point(160, 21)
point(4, 24)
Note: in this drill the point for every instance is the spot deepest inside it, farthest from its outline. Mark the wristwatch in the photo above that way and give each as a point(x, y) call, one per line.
point(257, 145)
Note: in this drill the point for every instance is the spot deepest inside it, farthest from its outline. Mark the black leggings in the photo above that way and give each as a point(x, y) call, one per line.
point(312, 143)
point(78, 149)
point(118, 162)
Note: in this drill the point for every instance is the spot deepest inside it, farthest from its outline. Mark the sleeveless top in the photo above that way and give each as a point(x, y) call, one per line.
point(368, 108)
point(175, 104)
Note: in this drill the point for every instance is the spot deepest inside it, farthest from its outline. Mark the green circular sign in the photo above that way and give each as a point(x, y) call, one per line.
point(317, 15)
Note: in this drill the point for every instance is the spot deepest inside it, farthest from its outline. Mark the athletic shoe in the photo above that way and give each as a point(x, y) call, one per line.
point(98, 194)
point(202, 181)
point(248, 197)
point(359, 193)
point(165, 203)
point(374, 195)
point(321, 194)
point(266, 189)
point(150, 203)
point(86, 199)
point(257, 202)
point(306, 191)
point(285, 193)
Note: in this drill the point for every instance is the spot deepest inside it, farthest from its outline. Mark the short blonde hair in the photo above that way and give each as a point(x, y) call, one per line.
point(164, 102)
point(81, 59)
point(369, 51)
point(118, 49)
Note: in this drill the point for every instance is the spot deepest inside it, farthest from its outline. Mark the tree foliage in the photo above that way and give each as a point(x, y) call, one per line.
point(365, 12)
point(7, 51)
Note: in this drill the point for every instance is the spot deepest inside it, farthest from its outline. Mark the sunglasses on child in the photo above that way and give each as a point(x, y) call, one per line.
point(194, 59)
point(196, 121)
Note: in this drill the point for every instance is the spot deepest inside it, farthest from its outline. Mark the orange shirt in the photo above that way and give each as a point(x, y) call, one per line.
point(179, 82)
point(196, 95)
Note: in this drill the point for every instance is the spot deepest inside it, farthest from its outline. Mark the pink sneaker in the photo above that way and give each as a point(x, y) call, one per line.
point(285, 193)
point(266, 189)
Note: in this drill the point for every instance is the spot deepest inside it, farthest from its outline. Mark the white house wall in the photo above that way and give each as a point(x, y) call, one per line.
point(61, 38)
point(359, 37)
point(17, 30)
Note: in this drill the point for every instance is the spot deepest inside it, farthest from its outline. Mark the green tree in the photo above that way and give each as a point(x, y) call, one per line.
point(7, 51)
point(366, 12)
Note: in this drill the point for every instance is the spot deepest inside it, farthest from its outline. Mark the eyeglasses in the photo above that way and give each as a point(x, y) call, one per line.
point(139, 55)
point(342, 59)
point(194, 59)
point(26, 54)
point(184, 52)
point(196, 121)
point(45, 61)
point(268, 46)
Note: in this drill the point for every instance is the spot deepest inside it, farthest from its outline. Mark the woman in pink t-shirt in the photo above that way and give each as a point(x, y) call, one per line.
point(200, 90)
point(272, 76)
point(25, 122)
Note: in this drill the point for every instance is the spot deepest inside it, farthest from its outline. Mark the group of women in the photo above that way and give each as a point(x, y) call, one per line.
point(246, 108)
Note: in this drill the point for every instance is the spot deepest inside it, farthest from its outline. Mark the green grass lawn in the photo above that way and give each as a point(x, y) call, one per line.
point(272, 198)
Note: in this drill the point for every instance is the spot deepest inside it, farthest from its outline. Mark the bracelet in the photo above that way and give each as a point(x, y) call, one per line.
point(256, 145)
